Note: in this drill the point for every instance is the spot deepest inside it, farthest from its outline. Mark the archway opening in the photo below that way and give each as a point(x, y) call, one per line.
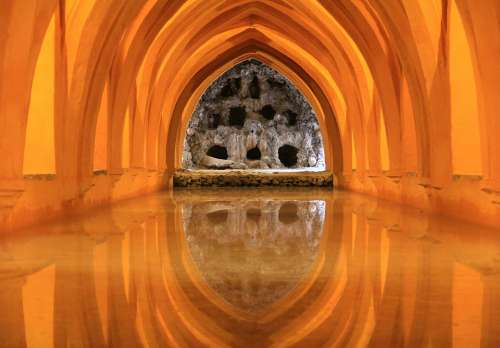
point(253, 111)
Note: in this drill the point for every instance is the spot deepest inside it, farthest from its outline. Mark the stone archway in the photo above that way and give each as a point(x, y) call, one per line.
point(253, 111)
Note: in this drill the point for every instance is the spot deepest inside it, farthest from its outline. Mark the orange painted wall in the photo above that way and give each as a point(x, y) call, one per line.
point(39, 151)
point(466, 145)
point(101, 135)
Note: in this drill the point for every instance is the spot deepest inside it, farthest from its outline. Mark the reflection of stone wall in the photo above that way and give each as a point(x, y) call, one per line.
point(253, 117)
point(253, 252)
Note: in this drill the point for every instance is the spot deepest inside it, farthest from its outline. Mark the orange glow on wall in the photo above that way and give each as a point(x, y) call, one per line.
point(39, 151)
point(126, 141)
point(353, 154)
point(101, 135)
point(384, 146)
point(87, 84)
point(466, 147)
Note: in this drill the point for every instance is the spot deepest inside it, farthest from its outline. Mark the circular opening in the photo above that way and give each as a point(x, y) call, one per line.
point(253, 154)
point(291, 117)
point(217, 151)
point(288, 213)
point(288, 155)
point(254, 88)
point(268, 112)
point(237, 116)
point(217, 217)
point(213, 121)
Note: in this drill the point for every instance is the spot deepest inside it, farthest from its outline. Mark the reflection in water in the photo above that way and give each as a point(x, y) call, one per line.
point(251, 268)
point(252, 252)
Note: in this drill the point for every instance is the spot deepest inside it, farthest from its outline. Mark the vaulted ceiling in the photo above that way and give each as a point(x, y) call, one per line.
point(399, 86)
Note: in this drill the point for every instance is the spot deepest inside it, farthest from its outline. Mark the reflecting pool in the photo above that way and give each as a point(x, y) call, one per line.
point(251, 268)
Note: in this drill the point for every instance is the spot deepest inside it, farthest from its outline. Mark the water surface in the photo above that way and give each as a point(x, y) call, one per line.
point(251, 268)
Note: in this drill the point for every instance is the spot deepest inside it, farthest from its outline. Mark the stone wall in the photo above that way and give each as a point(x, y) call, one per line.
point(253, 117)
point(242, 178)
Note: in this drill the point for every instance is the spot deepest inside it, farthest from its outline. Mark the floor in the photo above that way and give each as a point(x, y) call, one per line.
point(251, 268)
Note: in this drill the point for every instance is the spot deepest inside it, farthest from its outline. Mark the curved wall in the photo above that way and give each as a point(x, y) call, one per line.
point(399, 90)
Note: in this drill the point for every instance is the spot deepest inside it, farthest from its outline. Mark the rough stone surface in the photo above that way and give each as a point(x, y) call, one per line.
point(239, 178)
point(253, 106)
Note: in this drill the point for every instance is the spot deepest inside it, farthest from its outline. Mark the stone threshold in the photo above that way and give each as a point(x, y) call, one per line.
point(255, 178)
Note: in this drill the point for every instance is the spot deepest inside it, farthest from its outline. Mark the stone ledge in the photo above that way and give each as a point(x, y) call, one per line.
point(238, 178)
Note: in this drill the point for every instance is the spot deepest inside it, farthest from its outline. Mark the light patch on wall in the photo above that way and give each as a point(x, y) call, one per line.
point(126, 141)
point(384, 147)
point(466, 148)
point(409, 137)
point(353, 153)
point(39, 151)
point(101, 136)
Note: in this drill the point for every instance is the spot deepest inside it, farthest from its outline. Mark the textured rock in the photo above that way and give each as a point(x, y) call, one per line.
point(253, 106)
point(186, 178)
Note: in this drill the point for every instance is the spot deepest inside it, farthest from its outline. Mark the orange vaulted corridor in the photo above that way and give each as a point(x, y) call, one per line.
point(96, 97)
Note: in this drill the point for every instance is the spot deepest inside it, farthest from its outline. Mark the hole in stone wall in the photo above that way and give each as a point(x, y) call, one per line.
point(291, 117)
point(213, 121)
point(254, 88)
point(254, 154)
point(236, 84)
point(288, 213)
point(217, 151)
point(217, 217)
point(288, 155)
point(268, 112)
point(275, 84)
point(231, 88)
point(253, 214)
point(226, 91)
point(237, 116)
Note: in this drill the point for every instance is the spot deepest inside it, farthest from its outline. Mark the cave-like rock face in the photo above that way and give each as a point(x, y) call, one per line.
point(253, 117)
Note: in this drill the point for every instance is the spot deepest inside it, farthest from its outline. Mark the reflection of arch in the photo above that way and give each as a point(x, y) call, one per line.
point(373, 283)
point(180, 258)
